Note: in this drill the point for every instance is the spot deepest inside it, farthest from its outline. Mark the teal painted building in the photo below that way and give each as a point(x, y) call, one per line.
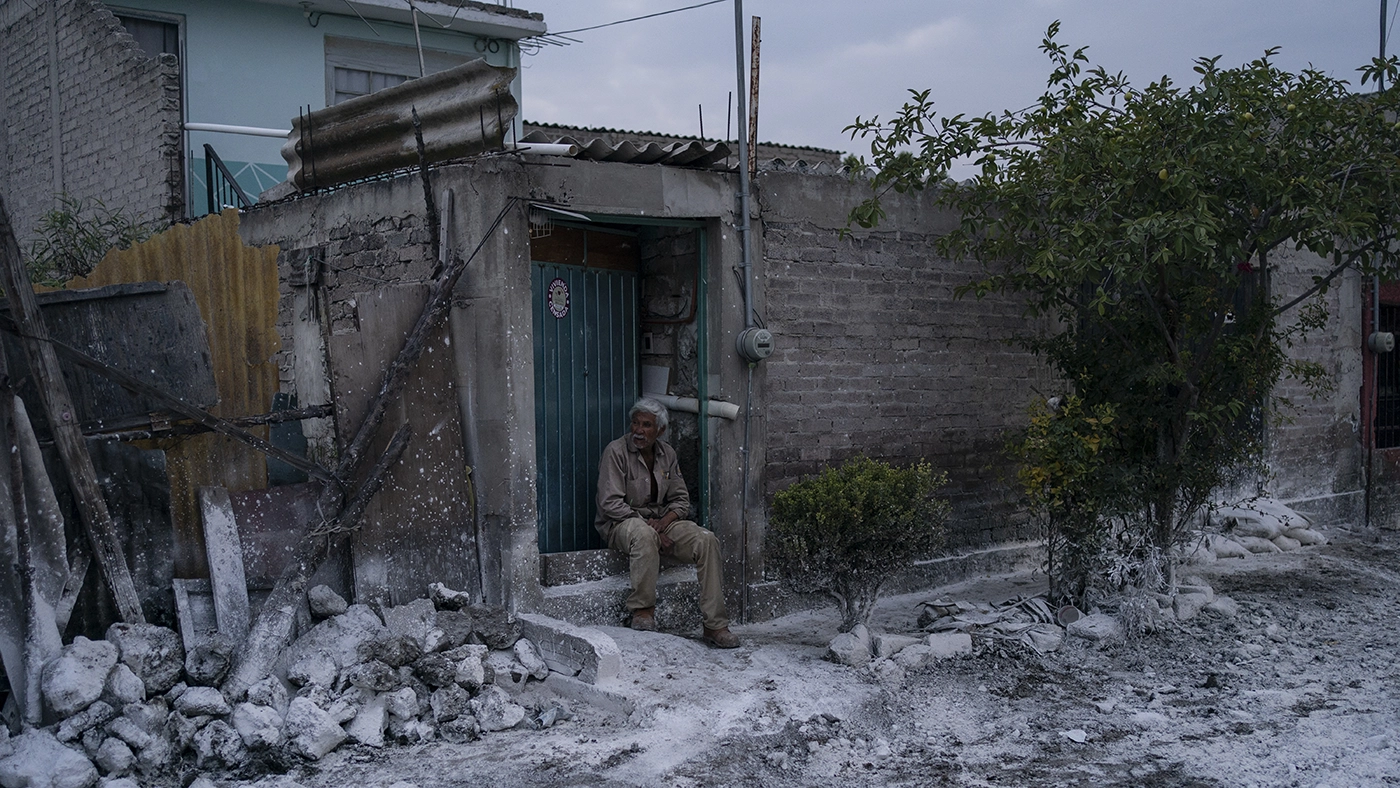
point(258, 63)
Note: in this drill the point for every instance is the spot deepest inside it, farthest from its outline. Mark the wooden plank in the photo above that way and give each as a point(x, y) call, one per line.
point(225, 552)
point(194, 608)
point(68, 436)
point(418, 529)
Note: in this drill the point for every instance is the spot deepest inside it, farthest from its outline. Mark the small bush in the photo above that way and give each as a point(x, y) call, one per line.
point(847, 530)
point(74, 237)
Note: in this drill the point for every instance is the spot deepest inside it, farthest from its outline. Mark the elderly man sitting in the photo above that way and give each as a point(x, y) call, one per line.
point(641, 502)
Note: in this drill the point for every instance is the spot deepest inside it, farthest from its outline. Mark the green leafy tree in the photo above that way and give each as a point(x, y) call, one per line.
point(1143, 224)
point(849, 529)
point(74, 237)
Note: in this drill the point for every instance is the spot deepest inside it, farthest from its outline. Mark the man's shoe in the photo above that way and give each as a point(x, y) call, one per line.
point(644, 619)
point(720, 638)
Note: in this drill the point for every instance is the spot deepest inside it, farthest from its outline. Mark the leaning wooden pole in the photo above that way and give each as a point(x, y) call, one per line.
point(63, 423)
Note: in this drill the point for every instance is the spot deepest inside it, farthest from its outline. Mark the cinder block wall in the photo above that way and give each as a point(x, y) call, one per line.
point(1316, 457)
point(86, 113)
point(873, 353)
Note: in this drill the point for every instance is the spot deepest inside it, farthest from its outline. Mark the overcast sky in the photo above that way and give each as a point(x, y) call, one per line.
point(826, 61)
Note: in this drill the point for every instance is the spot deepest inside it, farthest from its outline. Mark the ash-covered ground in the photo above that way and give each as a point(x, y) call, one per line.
point(1299, 688)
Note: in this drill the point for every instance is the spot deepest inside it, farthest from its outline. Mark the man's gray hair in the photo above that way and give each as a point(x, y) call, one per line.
point(649, 405)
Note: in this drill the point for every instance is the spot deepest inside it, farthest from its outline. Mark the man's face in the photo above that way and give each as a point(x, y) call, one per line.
point(644, 430)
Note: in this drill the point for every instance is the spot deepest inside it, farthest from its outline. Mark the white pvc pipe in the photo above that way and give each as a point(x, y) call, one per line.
point(725, 410)
point(547, 148)
point(224, 128)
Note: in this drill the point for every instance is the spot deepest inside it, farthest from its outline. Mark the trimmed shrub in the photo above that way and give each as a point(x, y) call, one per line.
point(847, 530)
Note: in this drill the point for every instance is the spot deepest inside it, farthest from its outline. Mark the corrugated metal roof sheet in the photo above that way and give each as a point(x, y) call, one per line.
point(690, 153)
point(464, 111)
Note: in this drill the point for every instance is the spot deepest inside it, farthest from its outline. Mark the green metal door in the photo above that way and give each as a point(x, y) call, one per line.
point(586, 378)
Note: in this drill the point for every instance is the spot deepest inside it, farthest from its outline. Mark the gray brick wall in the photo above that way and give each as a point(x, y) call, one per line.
point(111, 130)
point(874, 354)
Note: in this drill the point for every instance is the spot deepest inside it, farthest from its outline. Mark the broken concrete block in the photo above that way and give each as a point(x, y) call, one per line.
point(1223, 606)
point(455, 626)
point(495, 711)
point(207, 663)
point(470, 665)
point(374, 676)
point(125, 729)
point(92, 740)
point(588, 654)
point(1306, 537)
point(848, 649)
point(270, 692)
point(529, 657)
point(460, 730)
point(219, 744)
point(155, 757)
point(507, 673)
point(494, 626)
point(260, 727)
point(149, 716)
point(340, 636)
point(114, 757)
point(314, 667)
point(368, 726)
point(913, 657)
point(122, 782)
point(886, 645)
point(153, 653)
point(402, 703)
point(942, 645)
point(310, 731)
point(412, 731)
point(325, 603)
point(183, 729)
point(412, 620)
point(435, 670)
point(123, 687)
point(76, 677)
point(445, 598)
point(1096, 627)
point(98, 713)
point(37, 759)
point(198, 701)
point(449, 703)
point(1186, 606)
point(344, 708)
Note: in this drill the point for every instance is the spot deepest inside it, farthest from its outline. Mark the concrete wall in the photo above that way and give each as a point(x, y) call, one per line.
point(86, 113)
point(1316, 455)
point(874, 354)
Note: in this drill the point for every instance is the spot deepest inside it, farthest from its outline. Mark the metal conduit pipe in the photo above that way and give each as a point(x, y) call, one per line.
point(746, 245)
point(724, 410)
point(251, 131)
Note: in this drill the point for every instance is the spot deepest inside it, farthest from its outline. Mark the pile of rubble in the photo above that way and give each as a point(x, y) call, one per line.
point(136, 704)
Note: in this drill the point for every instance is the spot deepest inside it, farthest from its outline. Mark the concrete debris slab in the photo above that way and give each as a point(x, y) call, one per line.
point(370, 721)
point(153, 653)
point(393, 650)
point(269, 692)
point(218, 744)
point(114, 757)
point(586, 653)
point(259, 726)
point(886, 645)
point(38, 760)
point(449, 703)
point(470, 662)
point(508, 673)
point(98, 713)
point(1223, 606)
point(123, 687)
point(199, 701)
point(402, 703)
point(412, 620)
point(1186, 606)
point(455, 627)
point(314, 667)
point(128, 731)
point(325, 602)
point(208, 662)
point(374, 676)
point(340, 636)
point(848, 648)
point(495, 626)
point(311, 732)
point(76, 678)
point(445, 598)
point(1096, 627)
point(495, 711)
point(529, 658)
point(942, 645)
point(913, 657)
point(435, 670)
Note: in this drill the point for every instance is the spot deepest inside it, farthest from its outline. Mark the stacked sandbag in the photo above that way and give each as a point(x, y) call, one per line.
point(1261, 526)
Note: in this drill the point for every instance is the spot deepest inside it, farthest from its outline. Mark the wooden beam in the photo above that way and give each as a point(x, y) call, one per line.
point(68, 436)
point(225, 551)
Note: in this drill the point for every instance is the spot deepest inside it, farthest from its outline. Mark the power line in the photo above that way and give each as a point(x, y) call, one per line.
point(634, 19)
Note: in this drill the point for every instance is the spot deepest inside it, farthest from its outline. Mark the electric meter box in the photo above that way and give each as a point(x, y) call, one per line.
point(755, 344)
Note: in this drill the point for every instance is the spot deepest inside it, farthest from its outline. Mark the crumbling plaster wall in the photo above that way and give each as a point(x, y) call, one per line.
point(86, 113)
point(1316, 459)
point(875, 355)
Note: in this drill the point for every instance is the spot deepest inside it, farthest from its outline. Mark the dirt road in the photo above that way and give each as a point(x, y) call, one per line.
point(1300, 688)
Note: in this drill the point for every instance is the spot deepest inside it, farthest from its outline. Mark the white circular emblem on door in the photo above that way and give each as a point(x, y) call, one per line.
point(558, 298)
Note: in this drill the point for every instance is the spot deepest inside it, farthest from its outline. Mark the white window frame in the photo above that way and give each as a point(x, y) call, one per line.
point(378, 57)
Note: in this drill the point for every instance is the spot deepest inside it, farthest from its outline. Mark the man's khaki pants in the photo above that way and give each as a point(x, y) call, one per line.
point(693, 545)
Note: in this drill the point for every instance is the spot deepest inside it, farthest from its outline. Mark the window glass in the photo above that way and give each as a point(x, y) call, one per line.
point(155, 37)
